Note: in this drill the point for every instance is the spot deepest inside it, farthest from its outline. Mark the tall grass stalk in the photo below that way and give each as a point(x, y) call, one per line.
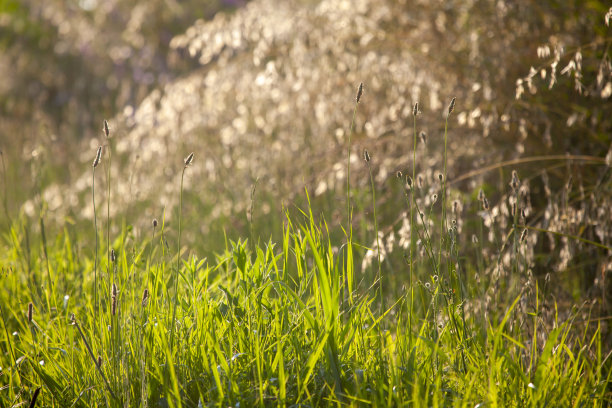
point(366, 157)
point(349, 214)
point(415, 112)
point(443, 231)
point(93, 199)
point(93, 358)
point(188, 161)
point(348, 162)
point(108, 200)
point(5, 192)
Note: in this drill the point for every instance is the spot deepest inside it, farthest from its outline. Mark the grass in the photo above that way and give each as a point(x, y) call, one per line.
point(284, 323)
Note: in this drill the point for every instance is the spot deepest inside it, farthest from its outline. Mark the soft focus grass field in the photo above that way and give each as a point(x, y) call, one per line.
point(142, 321)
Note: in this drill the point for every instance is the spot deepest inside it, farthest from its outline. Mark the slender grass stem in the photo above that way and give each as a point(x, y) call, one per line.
point(5, 195)
point(93, 358)
point(415, 112)
point(96, 249)
point(443, 231)
point(379, 275)
point(188, 161)
point(348, 164)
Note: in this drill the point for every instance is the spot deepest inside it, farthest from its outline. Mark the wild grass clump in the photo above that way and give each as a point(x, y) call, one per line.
point(288, 323)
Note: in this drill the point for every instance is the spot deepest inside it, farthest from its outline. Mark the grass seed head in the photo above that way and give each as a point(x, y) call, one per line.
point(515, 182)
point(113, 255)
point(481, 195)
point(398, 174)
point(451, 106)
point(98, 157)
point(106, 129)
point(145, 297)
point(415, 109)
point(189, 159)
point(99, 361)
point(485, 204)
point(154, 222)
point(359, 92)
point(366, 155)
point(30, 311)
point(423, 137)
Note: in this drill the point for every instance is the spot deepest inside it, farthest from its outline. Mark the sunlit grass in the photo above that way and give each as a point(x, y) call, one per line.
point(281, 324)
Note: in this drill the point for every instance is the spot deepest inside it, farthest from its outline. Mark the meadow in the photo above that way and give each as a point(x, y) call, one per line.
point(305, 203)
point(142, 321)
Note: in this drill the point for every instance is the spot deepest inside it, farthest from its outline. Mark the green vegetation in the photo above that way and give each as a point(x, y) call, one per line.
point(316, 248)
point(285, 323)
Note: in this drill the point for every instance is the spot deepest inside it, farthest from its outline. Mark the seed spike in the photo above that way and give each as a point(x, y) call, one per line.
point(189, 159)
point(359, 91)
point(451, 107)
point(98, 157)
point(366, 155)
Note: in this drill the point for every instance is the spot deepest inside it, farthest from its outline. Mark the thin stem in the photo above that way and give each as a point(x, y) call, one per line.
point(10, 343)
point(382, 302)
point(93, 358)
point(443, 219)
point(5, 185)
point(412, 223)
point(93, 199)
point(348, 175)
point(178, 264)
point(108, 245)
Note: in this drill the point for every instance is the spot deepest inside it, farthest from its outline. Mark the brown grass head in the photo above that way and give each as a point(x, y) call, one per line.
point(359, 92)
point(145, 298)
point(366, 155)
point(98, 157)
point(189, 159)
point(451, 106)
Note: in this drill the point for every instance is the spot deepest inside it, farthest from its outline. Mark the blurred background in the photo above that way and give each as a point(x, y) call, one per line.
point(263, 93)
